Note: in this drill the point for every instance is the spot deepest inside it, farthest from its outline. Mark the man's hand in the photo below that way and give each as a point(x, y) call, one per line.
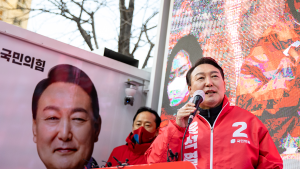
point(184, 113)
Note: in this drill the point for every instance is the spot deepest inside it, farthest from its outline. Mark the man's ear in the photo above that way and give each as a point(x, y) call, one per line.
point(98, 128)
point(190, 91)
point(34, 130)
point(157, 131)
point(132, 127)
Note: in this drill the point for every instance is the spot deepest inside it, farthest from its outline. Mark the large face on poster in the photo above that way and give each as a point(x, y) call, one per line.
point(66, 120)
point(64, 109)
point(257, 44)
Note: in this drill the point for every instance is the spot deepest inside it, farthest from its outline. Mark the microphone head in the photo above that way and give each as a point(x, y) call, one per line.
point(199, 93)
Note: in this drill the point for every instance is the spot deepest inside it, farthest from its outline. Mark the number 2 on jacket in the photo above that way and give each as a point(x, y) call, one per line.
point(238, 132)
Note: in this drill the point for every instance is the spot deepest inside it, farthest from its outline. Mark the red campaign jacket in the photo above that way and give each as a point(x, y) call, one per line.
point(132, 151)
point(237, 140)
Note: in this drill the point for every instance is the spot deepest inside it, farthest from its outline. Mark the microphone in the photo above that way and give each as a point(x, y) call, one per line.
point(171, 157)
point(109, 164)
point(197, 100)
point(121, 164)
point(93, 163)
point(117, 161)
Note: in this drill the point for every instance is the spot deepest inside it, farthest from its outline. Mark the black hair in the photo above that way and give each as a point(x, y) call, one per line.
point(294, 12)
point(142, 109)
point(204, 60)
point(69, 74)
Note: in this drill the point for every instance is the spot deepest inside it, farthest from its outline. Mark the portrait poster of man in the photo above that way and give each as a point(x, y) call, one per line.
point(66, 119)
point(256, 42)
point(59, 109)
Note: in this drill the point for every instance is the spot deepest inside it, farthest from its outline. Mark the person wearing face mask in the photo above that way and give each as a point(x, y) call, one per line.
point(145, 128)
point(185, 52)
point(220, 136)
point(177, 88)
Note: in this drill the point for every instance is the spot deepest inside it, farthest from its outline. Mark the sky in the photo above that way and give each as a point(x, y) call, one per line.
point(106, 23)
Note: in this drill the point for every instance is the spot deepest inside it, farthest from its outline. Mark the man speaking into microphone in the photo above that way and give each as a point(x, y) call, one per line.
point(219, 136)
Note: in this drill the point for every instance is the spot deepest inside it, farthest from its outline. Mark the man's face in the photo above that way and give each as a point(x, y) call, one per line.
point(208, 78)
point(145, 119)
point(177, 88)
point(64, 128)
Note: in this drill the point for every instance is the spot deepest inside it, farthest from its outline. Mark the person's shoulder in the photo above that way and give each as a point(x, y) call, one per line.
point(241, 110)
point(244, 113)
point(248, 116)
point(120, 148)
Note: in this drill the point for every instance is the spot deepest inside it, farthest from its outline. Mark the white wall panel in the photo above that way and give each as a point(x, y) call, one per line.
point(18, 83)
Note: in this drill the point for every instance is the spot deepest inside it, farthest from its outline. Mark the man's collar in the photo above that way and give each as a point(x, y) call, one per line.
point(215, 110)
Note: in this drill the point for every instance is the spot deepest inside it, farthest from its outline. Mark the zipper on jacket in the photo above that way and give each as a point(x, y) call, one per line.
point(212, 136)
point(211, 146)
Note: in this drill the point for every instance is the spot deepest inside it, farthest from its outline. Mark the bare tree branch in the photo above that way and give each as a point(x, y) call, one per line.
point(94, 32)
point(83, 14)
point(137, 43)
point(126, 15)
point(84, 34)
point(60, 8)
point(148, 56)
point(144, 30)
